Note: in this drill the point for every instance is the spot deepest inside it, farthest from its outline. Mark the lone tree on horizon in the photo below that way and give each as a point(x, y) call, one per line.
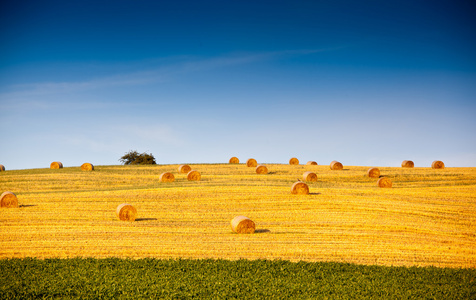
point(134, 158)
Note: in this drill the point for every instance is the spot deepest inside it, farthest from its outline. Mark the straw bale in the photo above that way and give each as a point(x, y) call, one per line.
point(294, 161)
point(335, 165)
point(126, 212)
point(260, 169)
point(313, 163)
point(87, 167)
point(56, 165)
point(384, 182)
point(242, 224)
point(2, 168)
point(166, 177)
point(438, 164)
point(194, 175)
point(373, 173)
point(309, 176)
point(251, 162)
point(8, 199)
point(299, 188)
point(407, 164)
point(234, 160)
point(184, 169)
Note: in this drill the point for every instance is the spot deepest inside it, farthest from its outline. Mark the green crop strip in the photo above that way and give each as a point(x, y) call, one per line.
point(114, 278)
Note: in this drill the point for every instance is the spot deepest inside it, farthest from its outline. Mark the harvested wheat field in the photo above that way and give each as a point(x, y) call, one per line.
point(428, 217)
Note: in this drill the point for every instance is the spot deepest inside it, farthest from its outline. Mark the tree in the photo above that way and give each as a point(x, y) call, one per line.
point(134, 158)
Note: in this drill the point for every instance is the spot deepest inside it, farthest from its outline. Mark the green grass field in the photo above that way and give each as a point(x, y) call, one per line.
point(114, 278)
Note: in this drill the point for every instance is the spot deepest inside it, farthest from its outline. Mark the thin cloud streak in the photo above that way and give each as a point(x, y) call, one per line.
point(160, 74)
point(25, 104)
point(48, 88)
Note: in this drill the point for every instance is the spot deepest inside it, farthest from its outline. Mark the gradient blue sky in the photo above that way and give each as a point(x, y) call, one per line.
point(369, 83)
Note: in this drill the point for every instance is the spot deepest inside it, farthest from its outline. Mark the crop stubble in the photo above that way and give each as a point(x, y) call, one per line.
point(428, 217)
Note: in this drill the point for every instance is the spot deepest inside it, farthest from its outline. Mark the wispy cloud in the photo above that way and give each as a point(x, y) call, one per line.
point(161, 73)
point(111, 138)
point(244, 58)
point(155, 134)
point(45, 88)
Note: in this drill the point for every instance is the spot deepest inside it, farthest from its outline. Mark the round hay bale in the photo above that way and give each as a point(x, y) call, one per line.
point(311, 163)
point(335, 165)
point(300, 188)
point(407, 164)
point(251, 162)
point(384, 182)
point(294, 161)
point(8, 199)
point(87, 167)
point(242, 224)
point(309, 176)
point(184, 169)
point(166, 177)
point(260, 169)
point(2, 168)
point(373, 173)
point(438, 164)
point(126, 212)
point(234, 160)
point(194, 175)
point(56, 165)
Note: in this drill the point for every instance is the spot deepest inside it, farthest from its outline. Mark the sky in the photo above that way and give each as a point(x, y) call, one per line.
point(366, 83)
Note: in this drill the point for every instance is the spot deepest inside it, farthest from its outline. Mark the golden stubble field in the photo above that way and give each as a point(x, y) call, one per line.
point(427, 218)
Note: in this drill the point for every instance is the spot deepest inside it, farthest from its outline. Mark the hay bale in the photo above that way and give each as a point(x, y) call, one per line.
point(407, 164)
point(184, 169)
point(373, 173)
point(335, 165)
point(2, 168)
point(126, 212)
point(251, 162)
point(311, 163)
point(260, 169)
point(234, 160)
point(294, 161)
point(384, 182)
point(194, 175)
point(166, 177)
point(56, 165)
point(87, 167)
point(8, 199)
point(438, 164)
point(242, 224)
point(309, 176)
point(299, 188)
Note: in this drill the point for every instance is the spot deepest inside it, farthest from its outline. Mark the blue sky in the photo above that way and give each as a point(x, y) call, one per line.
point(368, 83)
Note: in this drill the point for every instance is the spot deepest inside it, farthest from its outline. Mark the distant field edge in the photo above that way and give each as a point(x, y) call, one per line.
point(70, 167)
point(117, 278)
